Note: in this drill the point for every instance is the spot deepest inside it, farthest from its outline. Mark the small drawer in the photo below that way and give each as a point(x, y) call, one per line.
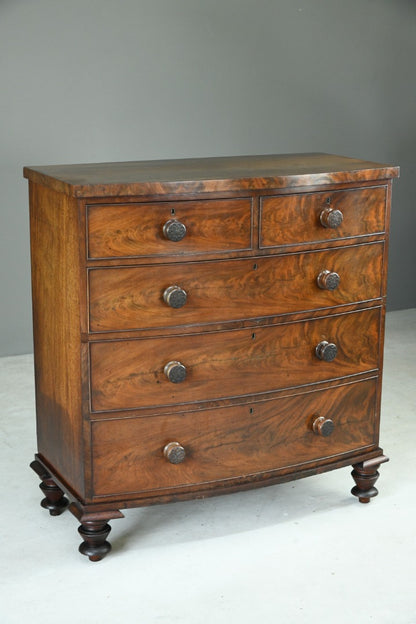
point(169, 228)
point(130, 455)
point(170, 295)
point(128, 374)
point(314, 217)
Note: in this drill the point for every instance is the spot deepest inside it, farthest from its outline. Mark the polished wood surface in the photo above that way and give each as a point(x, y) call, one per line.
point(294, 219)
point(198, 175)
point(132, 297)
point(56, 327)
point(137, 229)
point(205, 326)
point(230, 442)
point(129, 374)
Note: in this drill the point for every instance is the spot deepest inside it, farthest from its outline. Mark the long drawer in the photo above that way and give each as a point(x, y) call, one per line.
point(169, 228)
point(324, 216)
point(233, 442)
point(127, 374)
point(126, 298)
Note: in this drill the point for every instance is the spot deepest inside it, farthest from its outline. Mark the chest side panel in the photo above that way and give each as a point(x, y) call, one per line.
point(55, 262)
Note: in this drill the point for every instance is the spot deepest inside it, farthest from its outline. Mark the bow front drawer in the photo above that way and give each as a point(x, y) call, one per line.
point(177, 294)
point(131, 455)
point(169, 228)
point(313, 217)
point(148, 372)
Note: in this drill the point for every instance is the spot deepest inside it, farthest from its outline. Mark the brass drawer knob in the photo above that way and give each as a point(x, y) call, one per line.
point(331, 218)
point(174, 230)
point(328, 280)
point(174, 453)
point(175, 296)
point(175, 371)
point(323, 426)
point(326, 351)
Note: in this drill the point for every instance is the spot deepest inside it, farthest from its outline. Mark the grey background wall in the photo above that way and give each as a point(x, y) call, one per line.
point(99, 80)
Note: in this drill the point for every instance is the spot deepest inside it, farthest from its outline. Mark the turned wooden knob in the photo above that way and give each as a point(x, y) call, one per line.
point(323, 426)
point(326, 351)
point(174, 230)
point(331, 218)
point(328, 280)
point(175, 296)
point(175, 371)
point(174, 453)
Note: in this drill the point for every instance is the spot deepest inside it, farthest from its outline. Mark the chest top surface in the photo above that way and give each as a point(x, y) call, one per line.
point(219, 174)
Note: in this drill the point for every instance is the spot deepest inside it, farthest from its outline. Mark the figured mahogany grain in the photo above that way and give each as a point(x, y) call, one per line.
point(129, 374)
point(294, 219)
point(230, 442)
point(247, 334)
point(198, 175)
point(132, 297)
point(137, 229)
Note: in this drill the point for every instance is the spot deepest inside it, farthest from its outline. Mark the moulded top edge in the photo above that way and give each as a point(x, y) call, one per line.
point(199, 175)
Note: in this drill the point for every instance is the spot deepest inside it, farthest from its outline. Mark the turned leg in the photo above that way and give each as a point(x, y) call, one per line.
point(54, 499)
point(95, 545)
point(365, 474)
point(94, 530)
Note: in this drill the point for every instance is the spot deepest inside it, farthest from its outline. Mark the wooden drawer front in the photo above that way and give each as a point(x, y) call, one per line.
point(116, 231)
point(130, 374)
point(132, 297)
point(232, 442)
point(295, 219)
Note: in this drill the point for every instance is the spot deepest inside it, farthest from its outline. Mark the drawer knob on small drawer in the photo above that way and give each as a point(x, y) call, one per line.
point(174, 453)
point(174, 230)
point(323, 426)
point(328, 280)
point(326, 351)
point(175, 371)
point(331, 218)
point(175, 296)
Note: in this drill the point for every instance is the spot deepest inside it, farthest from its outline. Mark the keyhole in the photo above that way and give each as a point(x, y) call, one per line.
point(172, 211)
point(255, 266)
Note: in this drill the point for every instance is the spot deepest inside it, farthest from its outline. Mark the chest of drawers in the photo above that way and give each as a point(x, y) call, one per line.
point(203, 326)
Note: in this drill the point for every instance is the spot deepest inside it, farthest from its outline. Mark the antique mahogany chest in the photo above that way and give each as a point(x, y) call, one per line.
point(202, 326)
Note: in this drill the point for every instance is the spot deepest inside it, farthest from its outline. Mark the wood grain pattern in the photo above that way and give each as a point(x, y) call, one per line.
point(129, 374)
point(247, 334)
point(132, 297)
point(56, 327)
point(230, 442)
point(137, 229)
point(294, 219)
point(198, 175)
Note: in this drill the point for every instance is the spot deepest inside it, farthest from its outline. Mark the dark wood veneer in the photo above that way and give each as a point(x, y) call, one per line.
point(290, 220)
point(230, 442)
point(129, 374)
point(282, 260)
point(137, 229)
point(207, 175)
point(129, 298)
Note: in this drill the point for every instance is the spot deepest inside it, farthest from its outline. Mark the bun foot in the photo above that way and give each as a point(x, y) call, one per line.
point(54, 500)
point(365, 474)
point(95, 545)
point(94, 530)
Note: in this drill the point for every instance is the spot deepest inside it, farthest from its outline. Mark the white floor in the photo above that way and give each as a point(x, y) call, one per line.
point(304, 552)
